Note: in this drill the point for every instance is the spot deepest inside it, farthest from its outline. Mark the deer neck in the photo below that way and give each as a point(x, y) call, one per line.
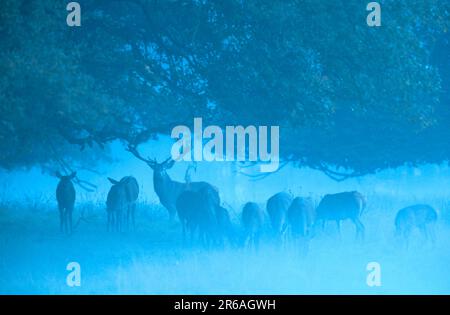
point(161, 182)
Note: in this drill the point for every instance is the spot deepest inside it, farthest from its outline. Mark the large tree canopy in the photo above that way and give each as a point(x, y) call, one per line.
point(349, 99)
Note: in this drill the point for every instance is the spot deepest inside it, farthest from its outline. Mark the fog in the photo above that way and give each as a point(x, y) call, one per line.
point(154, 260)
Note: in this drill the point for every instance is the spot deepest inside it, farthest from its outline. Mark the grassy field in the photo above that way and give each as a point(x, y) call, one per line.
point(153, 260)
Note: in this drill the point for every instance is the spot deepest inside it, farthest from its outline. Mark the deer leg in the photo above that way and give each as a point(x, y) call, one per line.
point(111, 221)
point(127, 218)
point(359, 228)
point(123, 218)
point(432, 233)
point(424, 232)
point(247, 240)
point(428, 230)
point(114, 221)
point(61, 219)
point(65, 221)
point(406, 234)
point(256, 241)
point(121, 221)
point(118, 218)
point(183, 230)
point(190, 230)
point(133, 216)
point(69, 219)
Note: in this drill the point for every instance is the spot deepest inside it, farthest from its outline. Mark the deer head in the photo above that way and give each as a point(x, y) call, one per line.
point(65, 177)
point(158, 168)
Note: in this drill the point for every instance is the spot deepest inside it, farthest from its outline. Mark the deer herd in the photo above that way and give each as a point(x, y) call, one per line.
point(204, 220)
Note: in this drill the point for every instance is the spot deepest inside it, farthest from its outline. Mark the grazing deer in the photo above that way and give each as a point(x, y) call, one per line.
point(277, 207)
point(420, 216)
point(131, 187)
point(65, 195)
point(167, 189)
point(342, 206)
point(300, 217)
point(226, 229)
point(197, 210)
point(300, 220)
point(121, 202)
point(252, 220)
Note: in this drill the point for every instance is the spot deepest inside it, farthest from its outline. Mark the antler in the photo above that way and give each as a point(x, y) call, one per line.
point(133, 150)
point(167, 160)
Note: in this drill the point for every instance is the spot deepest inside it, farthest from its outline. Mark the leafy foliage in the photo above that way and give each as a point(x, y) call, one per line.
point(349, 99)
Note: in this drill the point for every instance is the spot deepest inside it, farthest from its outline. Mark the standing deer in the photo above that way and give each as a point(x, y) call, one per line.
point(252, 220)
point(167, 189)
point(65, 195)
point(277, 207)
point(197, 211)
point(121, 203)
point(342, 206)
point(420, 216)
point(131, 188)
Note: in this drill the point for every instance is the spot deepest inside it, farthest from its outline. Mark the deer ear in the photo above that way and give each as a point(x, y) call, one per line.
point(72, 176)
point(113, 181)
point(58, 174)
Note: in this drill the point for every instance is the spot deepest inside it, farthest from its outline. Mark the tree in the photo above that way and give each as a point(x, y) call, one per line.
point(349, 99)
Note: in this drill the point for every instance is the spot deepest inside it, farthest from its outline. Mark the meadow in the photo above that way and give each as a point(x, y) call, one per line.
point(153, 259)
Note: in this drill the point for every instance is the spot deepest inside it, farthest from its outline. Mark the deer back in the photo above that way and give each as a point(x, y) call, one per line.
point(340, 206)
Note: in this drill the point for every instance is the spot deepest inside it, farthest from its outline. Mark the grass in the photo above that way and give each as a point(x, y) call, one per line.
point(153, 260)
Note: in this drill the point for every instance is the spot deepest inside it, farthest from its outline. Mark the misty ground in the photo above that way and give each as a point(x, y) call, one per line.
point(152, 260)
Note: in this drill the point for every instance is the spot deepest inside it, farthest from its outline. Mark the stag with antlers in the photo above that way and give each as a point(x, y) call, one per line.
point(167, 189)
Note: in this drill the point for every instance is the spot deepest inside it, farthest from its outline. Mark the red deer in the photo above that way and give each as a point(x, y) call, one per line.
point(252, 220)
point(167, 189)
point(300, 217)
point(277, 207)
point(197, 211)
point(342, 206)
point(225, 226)
point(131, 187)
point(187, 205)
point(65, 195)
point(122, 197)
point(420, 216)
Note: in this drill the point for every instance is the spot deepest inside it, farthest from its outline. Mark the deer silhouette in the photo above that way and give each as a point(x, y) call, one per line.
point(422, 217)
point(167, 189)
point(65, 195)
point(277, 207)
point(198, 212)
point(300, 217)
point(252, 220)
point(342, 206)
point(122, 197)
